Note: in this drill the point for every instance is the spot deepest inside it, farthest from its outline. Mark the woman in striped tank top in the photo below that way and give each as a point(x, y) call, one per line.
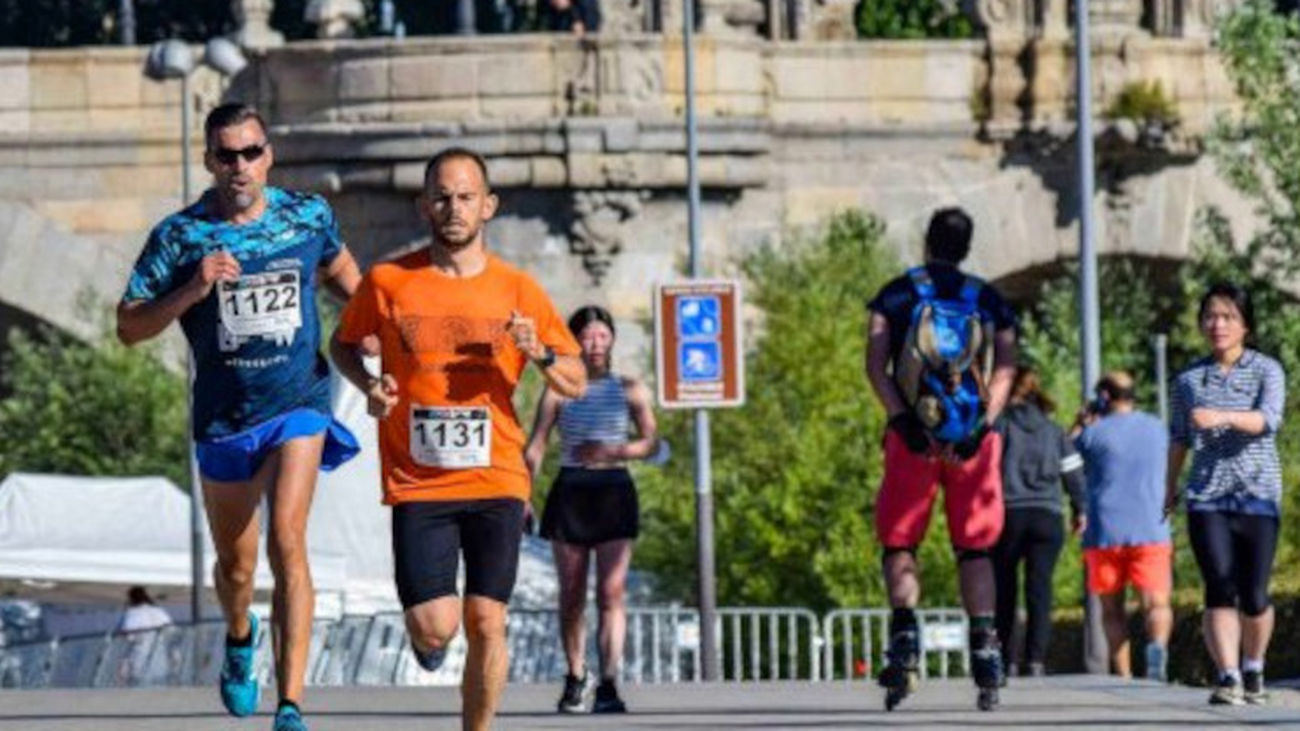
point(592, 506)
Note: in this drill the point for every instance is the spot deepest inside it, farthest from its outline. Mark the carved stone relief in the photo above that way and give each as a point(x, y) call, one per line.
point(623, 17)
point(828, 20)
point(254, 24)
point(597, 232)
point(334, 18)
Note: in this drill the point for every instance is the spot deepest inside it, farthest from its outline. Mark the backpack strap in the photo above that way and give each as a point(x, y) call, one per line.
point(970, 290)
point(922, 282)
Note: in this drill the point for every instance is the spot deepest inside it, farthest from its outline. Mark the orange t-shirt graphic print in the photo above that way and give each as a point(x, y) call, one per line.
point(453, 434)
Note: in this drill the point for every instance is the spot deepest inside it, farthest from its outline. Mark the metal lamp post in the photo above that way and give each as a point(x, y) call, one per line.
point(1095, 658)
point(173, 59)
point(706, 580)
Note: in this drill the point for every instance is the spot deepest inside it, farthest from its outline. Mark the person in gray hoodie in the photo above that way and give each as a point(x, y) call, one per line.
point(1038, 460)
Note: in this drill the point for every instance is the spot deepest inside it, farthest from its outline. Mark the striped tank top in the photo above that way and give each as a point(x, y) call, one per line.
point(599, 416)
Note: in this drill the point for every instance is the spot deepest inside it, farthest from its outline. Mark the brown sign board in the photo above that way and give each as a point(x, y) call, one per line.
point(699, 361)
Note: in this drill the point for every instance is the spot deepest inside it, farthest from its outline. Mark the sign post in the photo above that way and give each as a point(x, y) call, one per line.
point(699, 364)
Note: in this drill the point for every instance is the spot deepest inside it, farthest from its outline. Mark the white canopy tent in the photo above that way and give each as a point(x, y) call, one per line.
point(84, 538)
point(77, 537)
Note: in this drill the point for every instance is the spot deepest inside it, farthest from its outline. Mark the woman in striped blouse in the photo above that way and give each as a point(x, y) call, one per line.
point(1227, 408)
point(592, 506)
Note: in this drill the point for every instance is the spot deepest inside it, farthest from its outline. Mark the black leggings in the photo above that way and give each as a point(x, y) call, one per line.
point(1235, 553)
point(1033, 536)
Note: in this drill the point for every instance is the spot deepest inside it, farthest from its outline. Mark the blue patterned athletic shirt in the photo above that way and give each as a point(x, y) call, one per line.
point(1231, 470)
point(256, 343)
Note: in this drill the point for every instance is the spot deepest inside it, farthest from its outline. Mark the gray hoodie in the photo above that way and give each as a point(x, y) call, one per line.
point(1037, 461)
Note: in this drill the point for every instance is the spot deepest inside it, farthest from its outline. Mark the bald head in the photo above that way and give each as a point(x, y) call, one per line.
point(1118, 386)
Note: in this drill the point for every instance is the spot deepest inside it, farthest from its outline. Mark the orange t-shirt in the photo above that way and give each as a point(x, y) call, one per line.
point(453, 434)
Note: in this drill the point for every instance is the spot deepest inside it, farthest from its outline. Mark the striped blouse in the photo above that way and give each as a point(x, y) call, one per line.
point(601, 415)
point(1230, 467)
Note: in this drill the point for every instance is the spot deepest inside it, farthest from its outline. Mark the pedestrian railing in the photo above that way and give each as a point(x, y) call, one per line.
point(855, 642)
point(662, 645)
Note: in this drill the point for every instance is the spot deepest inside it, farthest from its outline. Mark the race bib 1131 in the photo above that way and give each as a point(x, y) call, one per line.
point(451, 437)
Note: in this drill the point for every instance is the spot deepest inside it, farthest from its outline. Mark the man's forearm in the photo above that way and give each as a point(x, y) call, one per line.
point(347, 359)
point(1005, 354)
point(567, 376)
point(139, 321)
point(887, 392)
point(999, 392)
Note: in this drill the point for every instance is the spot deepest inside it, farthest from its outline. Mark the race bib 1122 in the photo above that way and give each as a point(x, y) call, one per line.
point(261, 304)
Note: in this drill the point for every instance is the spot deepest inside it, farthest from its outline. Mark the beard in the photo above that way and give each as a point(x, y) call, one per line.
point(243, 200)
point(455, 239)
point(239, 199)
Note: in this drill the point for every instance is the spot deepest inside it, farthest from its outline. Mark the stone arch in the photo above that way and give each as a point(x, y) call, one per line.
point(47, 271)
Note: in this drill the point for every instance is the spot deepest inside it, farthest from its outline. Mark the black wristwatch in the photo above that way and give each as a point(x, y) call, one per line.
point(547, 360)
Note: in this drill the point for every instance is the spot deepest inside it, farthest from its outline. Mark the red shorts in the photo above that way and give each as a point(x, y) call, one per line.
point(972, 495)
point(1148, 567)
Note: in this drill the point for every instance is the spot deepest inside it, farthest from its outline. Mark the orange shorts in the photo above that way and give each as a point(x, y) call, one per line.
point(1148, 567)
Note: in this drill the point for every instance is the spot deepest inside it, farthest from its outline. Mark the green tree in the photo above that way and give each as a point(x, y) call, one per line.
point(912, 19)
point(90, 409)
point(1258, 150)
point(796, 470)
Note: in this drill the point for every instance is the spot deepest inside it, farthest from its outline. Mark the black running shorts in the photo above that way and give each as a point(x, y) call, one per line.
point(428, 538)
point(590, 507)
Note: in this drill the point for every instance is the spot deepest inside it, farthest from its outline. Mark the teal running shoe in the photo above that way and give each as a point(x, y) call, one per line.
point(288, 718)
point(240, 691)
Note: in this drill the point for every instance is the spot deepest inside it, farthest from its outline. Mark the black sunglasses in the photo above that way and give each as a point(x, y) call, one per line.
point(227, 156)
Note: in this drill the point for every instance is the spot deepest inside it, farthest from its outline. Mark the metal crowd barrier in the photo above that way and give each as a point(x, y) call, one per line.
point(860, 637)
point(662, 646)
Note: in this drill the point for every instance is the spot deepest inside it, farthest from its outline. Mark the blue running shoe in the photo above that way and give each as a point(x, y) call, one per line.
point(289, 718)
point(239, 689)
point(430, 661)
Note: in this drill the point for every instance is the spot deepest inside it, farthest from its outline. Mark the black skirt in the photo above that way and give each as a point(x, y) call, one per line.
point(588, 507)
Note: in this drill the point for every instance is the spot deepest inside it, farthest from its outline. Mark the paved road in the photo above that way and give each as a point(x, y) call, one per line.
point(1064, 702)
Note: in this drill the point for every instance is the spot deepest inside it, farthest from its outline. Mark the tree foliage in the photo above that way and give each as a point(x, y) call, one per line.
point(797, 468)
point(912, 19)
point(90, 409)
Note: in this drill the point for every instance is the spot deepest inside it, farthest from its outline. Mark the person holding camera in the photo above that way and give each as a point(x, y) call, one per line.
point(1126, 541)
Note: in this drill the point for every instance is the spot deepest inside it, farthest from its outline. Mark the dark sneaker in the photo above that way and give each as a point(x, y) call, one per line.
point(576, 689)
point(1228, 692)
point(607, 700)
point(1252, 686)
point(240, 690)
point(288, 718)
point(431, 660)
point(986, 667)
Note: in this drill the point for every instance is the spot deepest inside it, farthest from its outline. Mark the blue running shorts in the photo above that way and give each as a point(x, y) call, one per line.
point(237, 457)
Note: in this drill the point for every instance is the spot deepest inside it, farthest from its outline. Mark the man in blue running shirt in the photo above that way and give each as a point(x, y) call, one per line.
point(239, 269)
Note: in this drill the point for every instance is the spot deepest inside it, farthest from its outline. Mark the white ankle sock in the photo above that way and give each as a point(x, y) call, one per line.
point(1250, 665)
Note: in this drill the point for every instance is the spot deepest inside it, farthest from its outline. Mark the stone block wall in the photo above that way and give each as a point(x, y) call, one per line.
point(586, 145)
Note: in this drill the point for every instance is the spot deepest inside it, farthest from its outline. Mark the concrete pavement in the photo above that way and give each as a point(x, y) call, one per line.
point(1060, 702)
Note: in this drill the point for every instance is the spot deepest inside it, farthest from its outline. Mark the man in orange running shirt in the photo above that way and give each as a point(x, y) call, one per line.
point(456, 327)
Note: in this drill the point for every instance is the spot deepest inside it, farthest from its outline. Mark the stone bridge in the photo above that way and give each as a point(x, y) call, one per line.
point(586, 145)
